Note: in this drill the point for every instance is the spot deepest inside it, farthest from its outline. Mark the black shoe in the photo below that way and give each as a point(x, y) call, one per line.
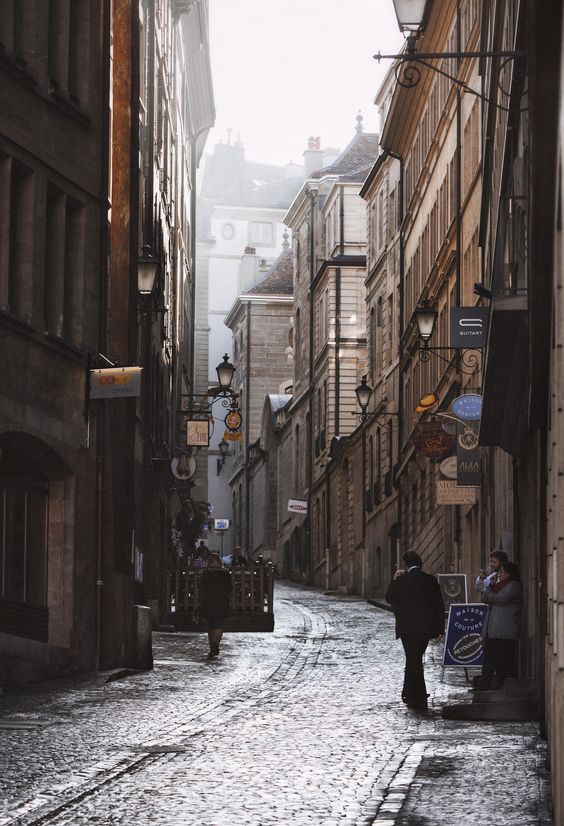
point(420, 705)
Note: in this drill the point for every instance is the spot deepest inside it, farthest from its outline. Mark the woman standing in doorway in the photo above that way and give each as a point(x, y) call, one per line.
point(502, 626)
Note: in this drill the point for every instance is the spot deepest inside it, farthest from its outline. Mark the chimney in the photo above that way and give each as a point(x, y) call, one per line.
point(313, 156)
point(248, 268)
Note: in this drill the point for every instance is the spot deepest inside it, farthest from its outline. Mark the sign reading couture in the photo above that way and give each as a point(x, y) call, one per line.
point(463, 639)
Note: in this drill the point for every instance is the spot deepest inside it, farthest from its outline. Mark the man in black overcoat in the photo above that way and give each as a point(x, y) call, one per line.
point(418, 606)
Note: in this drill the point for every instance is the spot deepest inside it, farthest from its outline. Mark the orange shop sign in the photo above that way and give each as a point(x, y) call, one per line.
point(115, 382)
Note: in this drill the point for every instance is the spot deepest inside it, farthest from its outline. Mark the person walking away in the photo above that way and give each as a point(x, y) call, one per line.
point(215, 593)
point(502, 626)
point(238, 558)
point(482, 581)
point(419, 610)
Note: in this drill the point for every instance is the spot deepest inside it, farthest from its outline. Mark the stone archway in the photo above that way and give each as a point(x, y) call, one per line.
point(37, 507)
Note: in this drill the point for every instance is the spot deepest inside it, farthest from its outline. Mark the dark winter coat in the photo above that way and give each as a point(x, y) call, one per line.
point(503, 620)
point(215, 591)
point(417, 603)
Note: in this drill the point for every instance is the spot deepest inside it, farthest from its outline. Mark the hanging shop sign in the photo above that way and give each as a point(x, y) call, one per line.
point(221, 524)
point(233, 436)
point(463, 639)
point(450, 493)
point(115, 382)
point(453, 588)
point(183, 466)
point(449, 467)
point(197, 433)
point(469, 327)
point(431, 440)
point(233, 420)
point(297, 505)
point(468, 407)
point(468, 459)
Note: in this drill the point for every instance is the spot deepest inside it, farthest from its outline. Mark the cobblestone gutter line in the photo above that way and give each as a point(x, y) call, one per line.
point(388, 794)
point(295, 666)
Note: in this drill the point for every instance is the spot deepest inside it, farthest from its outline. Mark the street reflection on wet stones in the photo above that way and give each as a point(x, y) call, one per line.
point(304, 725)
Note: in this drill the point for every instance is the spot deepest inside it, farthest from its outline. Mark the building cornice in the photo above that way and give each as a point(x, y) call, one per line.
point(338, 261)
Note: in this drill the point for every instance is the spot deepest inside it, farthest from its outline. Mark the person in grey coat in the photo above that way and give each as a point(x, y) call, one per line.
point(502, 626)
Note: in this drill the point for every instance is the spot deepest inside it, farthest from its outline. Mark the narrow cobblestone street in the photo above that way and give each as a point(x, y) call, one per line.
point(300, 726)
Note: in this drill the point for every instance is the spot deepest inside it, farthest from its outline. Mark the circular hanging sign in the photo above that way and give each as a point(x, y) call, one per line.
point(468, 406)
point(233, 420)
point(183, 466)
point(449, 467)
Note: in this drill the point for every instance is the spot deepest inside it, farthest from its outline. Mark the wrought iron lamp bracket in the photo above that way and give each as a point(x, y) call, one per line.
point(408, 74)
point(470, 361)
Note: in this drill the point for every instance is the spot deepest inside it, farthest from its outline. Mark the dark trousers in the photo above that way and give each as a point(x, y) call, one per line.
point(414, 688)
point(500, 659)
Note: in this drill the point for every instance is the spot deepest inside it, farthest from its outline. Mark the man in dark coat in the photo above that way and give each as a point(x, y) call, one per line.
point(418, 606)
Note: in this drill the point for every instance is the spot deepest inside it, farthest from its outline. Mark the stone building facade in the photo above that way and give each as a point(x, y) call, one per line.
point(241, 205)
point(51, 224)
point(328, 223)
point(260, 320)
point(91, 180)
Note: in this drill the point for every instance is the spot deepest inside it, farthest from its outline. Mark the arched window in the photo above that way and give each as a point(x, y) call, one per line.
point(298, 345)
point(297, 460)
point(372, 341)
point(23, 530)
point(379, 336)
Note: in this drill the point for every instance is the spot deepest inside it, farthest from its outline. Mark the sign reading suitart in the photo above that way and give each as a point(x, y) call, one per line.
point(469, 327)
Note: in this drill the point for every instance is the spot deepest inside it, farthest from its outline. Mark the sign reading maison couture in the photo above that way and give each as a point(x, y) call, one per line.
point(468, 406)
point(463, 639)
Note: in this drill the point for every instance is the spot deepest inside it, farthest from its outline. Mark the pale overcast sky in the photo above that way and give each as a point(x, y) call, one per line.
point(287, 69)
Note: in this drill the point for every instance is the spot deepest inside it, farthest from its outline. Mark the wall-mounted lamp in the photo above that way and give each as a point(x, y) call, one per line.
point(363, 395)
point(412, 18)
point(426, 316)
point(147, 268)
point(225, 371)
point(223, 448)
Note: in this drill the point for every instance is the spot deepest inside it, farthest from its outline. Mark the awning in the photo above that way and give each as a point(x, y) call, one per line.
point(504, 421)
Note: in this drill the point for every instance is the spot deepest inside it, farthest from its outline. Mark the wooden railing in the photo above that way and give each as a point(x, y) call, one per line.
point(252, 598)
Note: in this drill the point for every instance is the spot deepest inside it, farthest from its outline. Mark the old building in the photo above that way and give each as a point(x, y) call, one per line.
point(52, 226)
point(241, 205)
point(260, 320)
point(108, 110)
point(328, 222)
point(521, 235)
point(381, 434)
point(434, 129)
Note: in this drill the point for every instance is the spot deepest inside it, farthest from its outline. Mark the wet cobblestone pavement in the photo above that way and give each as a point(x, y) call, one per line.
point(302, 726)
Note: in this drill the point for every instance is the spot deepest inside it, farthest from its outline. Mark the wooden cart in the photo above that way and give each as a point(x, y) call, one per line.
point(251, 600)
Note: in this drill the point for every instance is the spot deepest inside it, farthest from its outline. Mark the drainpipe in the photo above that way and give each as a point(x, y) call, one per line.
point(309, 430)
point(248, 431)
point(458, 173)
point(400, 340)
point(102, 316)
point(193, 174)
point(338, 314)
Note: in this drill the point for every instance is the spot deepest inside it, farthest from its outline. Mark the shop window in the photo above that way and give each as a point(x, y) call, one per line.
point(23, 530)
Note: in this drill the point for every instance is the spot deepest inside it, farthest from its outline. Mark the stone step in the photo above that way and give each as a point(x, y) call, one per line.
point(524, 710)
